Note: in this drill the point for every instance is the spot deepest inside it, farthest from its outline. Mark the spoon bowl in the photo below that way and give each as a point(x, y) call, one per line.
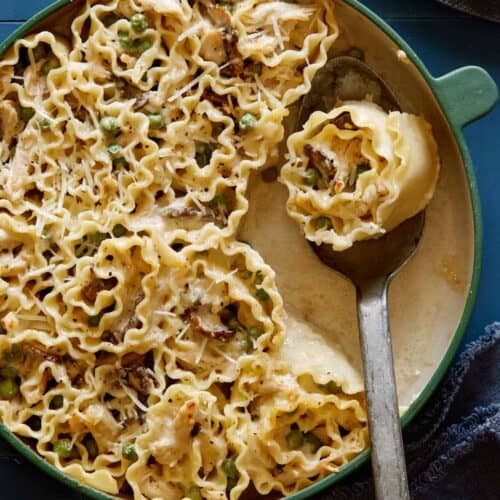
point(374, 259)
point(347, 78)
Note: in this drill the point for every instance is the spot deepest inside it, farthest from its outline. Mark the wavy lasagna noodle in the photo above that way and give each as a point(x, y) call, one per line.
point(357, 172)
point(139, 339)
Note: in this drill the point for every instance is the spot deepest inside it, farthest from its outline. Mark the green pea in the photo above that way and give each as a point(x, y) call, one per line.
point(139, 23)
point(125, 40)
point(246, 274)
point(110, 19)
point(109, 125)
point(97, 238)
point(262, 295)
point(114, 150)
point(39, 52)
point(310, 176)
point(219, 202)
point(49, 65)
point(120, 162)
point(254, 332)
point(63, 448)
point(231, 471)
point(9, 372)
point(203, 152)
point(91, 445)
point(294, 439)
point(9, 388)
point(332, 387)
point(269, 174)
point(119, 230)
point(26, 114)
point(44, 124)
point(193, 493)
point(247, 121)
point(13, 355)
point(142, 44)
point(323, 223)
point(57, 402)
point(312, 442)
point(246, 344)
point(156, 121)
point(233, 324)
point(227, 5)
point(94, 320)
point(81, 250)
point(217, 129)
point(360, 169)
point(259, 277)
point(229, 467)
point(129, 452)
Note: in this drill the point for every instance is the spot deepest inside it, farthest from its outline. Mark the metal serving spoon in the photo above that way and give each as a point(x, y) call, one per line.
point(370, 265)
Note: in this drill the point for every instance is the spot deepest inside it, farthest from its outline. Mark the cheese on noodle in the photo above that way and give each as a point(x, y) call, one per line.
point(140, 341)
point(357, 172)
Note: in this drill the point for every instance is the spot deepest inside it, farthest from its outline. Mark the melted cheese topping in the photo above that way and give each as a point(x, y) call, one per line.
point(141, 342)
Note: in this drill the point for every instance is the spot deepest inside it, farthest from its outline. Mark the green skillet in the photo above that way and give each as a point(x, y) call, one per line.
point(449, 103)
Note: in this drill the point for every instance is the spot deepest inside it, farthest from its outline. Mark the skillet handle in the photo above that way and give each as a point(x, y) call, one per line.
point(466, 94)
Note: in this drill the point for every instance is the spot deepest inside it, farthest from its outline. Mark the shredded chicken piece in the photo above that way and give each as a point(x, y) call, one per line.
point(321, 162)
point(220, 43)
point(170, 447)
point(214, 47)
point(210, 215)
point(132, 360)
point(263, 13)
point(343, 121)
point(41, 351)
point(207, 323)
point(219, 16)
point(184, 212)
point(133, 322)
point(237, 66)
point(285, 384)
point(222, 47)
point(75, 369)
point(105, 358)
point(9, 127)
point(140, 102)
point(102, 424)
point(95, 286)
point(34, 85)
point(134, 366)
point(214, 98)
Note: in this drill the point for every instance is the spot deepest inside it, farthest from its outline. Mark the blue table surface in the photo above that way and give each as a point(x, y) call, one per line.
point(444, 39)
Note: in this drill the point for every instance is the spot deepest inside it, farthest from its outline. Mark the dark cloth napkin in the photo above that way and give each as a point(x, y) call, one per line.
point(487, 9)
point(452, 447)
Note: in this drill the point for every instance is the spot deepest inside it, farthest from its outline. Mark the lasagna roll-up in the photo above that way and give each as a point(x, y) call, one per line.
point(357, 172)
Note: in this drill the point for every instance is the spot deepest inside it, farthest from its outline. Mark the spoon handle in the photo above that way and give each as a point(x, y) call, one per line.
point(387, 453)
